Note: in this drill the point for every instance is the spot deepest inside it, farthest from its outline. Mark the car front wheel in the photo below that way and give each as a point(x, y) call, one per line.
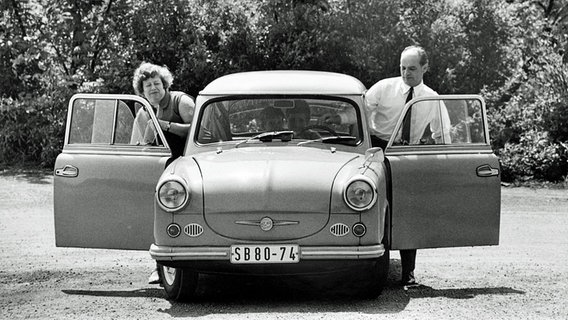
point(179, 284)
point(377, 276)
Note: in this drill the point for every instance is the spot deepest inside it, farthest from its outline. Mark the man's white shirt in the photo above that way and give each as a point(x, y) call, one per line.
point(385, 101)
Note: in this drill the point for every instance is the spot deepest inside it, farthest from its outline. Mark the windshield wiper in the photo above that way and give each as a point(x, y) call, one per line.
point(284, 135)
point(332, 139)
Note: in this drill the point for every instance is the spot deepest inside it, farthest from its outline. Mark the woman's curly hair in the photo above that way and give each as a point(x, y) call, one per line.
point(148, 70)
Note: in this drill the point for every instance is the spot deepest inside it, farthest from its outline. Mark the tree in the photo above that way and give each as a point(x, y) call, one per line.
point(531, 108)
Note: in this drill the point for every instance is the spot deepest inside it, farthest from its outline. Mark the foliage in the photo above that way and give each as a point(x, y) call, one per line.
point(527, 160)
point(529, 114)
point(512, 52)
point(31, 131)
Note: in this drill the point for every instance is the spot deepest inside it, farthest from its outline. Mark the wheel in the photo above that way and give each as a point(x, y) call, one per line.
point(179, 284)
point(378, 274)
point(379, 269)
point(316, 127)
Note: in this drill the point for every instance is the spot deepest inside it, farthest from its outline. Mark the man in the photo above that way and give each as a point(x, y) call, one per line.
point(299, 118)
point(271, 119)
point(174, 112)
point(385, 102)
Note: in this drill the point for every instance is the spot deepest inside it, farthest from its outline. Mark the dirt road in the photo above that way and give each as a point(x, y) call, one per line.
point(525, 277)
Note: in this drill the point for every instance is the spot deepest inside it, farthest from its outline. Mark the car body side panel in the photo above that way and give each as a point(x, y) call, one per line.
point(109, 204)
point(374, 217)
point(438, 200)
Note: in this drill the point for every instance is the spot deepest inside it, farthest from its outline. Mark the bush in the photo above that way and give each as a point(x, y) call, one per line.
point(505, 49)
point(534, 157)
point(529, 117)
point(31, 132)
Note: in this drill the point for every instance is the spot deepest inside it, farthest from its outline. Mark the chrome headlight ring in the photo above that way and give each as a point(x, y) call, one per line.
point(173, 194)
point(360, 193)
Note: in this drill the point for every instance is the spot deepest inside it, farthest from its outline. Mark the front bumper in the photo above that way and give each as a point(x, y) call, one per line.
point(167, 253)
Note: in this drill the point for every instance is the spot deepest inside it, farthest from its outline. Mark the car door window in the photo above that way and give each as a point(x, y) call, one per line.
point(448, 121)
point(466, 119)
point(111, 122)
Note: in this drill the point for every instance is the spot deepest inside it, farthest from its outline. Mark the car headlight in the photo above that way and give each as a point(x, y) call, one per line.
point(360, 194)
point(173, 195)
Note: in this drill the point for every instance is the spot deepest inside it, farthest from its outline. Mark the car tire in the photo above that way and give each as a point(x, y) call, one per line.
point(178, 283)
point(377, 276)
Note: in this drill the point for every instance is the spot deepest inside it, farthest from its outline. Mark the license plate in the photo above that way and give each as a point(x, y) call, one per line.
point(274, 253)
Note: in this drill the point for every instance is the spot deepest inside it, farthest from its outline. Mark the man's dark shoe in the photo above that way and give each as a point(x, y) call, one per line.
point(408, 279)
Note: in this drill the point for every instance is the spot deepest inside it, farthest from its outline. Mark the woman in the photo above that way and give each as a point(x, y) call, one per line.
point(174, 112)
point(174, 108)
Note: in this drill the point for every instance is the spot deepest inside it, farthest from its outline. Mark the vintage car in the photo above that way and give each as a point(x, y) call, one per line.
point(267, 186)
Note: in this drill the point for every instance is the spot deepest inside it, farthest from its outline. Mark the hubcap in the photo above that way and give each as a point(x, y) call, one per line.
point(169, 275)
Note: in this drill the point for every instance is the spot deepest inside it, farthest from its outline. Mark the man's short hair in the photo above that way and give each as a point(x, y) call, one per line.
point(148, 70)
point(421, 53)
point(301, 107)
point(270, 112)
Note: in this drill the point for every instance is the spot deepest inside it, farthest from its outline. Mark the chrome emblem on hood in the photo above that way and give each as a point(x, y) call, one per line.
point(266, 224)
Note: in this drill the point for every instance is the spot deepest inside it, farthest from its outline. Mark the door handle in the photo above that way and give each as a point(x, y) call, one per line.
point(486, 171)
point(68, 171)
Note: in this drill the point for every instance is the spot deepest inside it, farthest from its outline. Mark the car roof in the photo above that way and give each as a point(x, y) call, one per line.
point(285, 82)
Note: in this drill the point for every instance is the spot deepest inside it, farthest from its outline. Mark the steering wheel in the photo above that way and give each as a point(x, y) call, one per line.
point(315, 128)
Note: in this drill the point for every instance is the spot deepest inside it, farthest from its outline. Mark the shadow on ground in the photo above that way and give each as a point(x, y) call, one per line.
point(137, 293)
point(223, 294)
point(34, 176)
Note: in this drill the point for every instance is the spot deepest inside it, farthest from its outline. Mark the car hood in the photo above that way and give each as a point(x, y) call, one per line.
point(290, 185)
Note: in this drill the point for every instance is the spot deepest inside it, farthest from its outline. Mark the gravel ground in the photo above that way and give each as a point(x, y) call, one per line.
point(525, 277)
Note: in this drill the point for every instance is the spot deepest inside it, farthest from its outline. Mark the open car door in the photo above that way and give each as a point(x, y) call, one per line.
point(106, 175)
point(445, 178)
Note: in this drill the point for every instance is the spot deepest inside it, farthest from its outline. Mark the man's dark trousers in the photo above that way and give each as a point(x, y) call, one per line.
point(407, 257)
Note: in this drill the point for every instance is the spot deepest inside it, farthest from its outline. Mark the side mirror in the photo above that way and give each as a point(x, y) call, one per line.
point(374, 154)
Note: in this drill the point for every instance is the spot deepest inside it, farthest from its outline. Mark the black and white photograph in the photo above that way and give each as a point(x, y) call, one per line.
point(284, 159)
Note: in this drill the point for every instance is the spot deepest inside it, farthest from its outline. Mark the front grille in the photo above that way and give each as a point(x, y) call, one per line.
point(193, 230)
point(339, 229)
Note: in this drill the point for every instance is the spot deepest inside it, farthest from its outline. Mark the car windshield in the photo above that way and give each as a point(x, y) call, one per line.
point(291, 120)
